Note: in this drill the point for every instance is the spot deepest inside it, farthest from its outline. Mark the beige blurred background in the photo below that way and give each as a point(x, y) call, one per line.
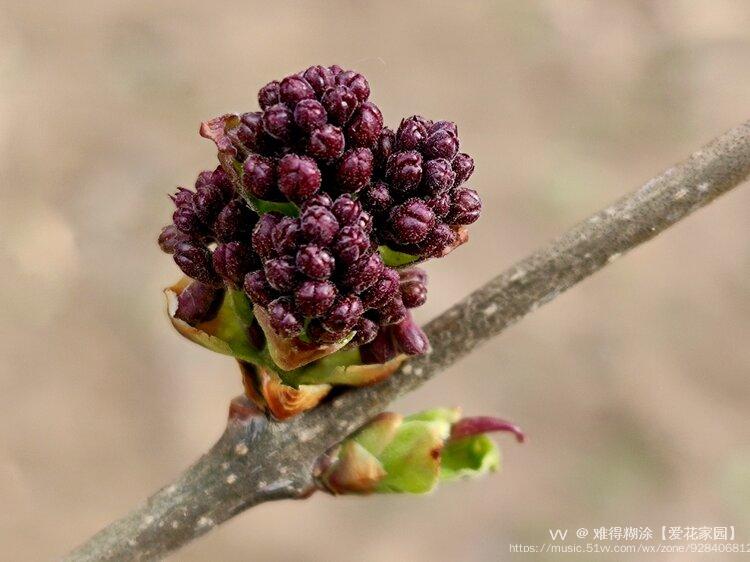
point(633, 387)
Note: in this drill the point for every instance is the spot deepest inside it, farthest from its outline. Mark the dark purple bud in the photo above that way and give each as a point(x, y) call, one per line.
point(314, 298)
point(466, 207)
point(356, 83)
point(286, 235)
point(259, 176)
point(171, 236)
point(440, 204)
point(384, 148)
point(319, 225)
point(221, 179)
point(366, 330)
point(365, 126)
point(232, 261)
point(299, 177)
point(346, 210)
point(364, 273)
point(441, 144)
point(392, 312)
point(294, 89)
point(404, 171)
point(206, 177)
point(410, 338)
point(437, 241)
point(380, 350)
point(320, 79)
point(354, 170)
point(309, 115)
point(195, 261)
point(340, 103)
point(315, 262)
point(343, 315)
point(187, 220)
point(463, 165)
point(351, 244)
point(319, 335)
point(377, 198)
point(269, 95)
point(411, 134)
point(183, 197)
point(383, 291)
point(234, 221)
point(449, 126)
point(320, 199)
point(426, 122)
point(282, 318)
point(281, 273)
point(278, 121)
point(335, 70)
point(411, 221)
point(250, 132)
point(438, 175)
point(364, 221)
point(208, 201)
point(198, 303)
point(412, 275)
point(257, 288)
point(263, 235)
point(413, 287)
point(326, 143)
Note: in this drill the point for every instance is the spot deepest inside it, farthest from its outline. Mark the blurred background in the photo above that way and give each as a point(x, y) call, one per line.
point(633, 387)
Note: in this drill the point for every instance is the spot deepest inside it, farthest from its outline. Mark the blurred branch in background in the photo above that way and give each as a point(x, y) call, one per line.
point(258, 460)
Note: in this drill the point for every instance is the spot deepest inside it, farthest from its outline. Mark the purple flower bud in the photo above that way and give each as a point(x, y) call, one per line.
point(207, 202)
point(187, 220)
point(380, 350)
point(438, 175)
point(383, 291)
point(354, 170)
point(281, 273)
point(356, 83)
point(364, 221)
point(346, 210)
point(365, 126)
point(335, 70)
point(195, 261)
point(449, 126)
point(326, 143)
point(411, 134)
point(232, 261)
point(440, 204)
point(343, 315)
point(377, 197)
point(278, 121)
point(412, 275)
point(183, 197)
point(404, 171)
point(257, 288)
point(269, 95)
point(320, 79)
point(411, 221)
point(320, 199)
point(351, 244)
point(259, 176)
point(437, 241)
point(413, 290)
point(262, 235)
point(441, 144)
point(340, 103)
point(314, 298)
point(282, 318)
point(364, 273)
point(392, 312)
point(250, 133)
point(309, 115)
point(206, 177)
point(366, 330)
point(198, 303)
point(286, 235)
point(319, 335)
point(234, 221)
point(466, 206)
point(410, 338)
point(384, 148)
point(299, 177)
point(315, 262)
point(171, 236)
point(463, 165)
point(319, 225)
point(294, 89)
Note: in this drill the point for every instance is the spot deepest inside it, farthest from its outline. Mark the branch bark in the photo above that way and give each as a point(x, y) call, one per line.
point(257, 460)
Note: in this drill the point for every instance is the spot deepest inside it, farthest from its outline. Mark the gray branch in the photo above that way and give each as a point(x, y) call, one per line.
point(257, 460)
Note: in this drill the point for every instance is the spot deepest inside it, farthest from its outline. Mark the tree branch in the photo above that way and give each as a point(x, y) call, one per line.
point(257, 460)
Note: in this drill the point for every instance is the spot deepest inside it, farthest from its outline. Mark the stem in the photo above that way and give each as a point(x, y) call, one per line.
point(257, 460)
